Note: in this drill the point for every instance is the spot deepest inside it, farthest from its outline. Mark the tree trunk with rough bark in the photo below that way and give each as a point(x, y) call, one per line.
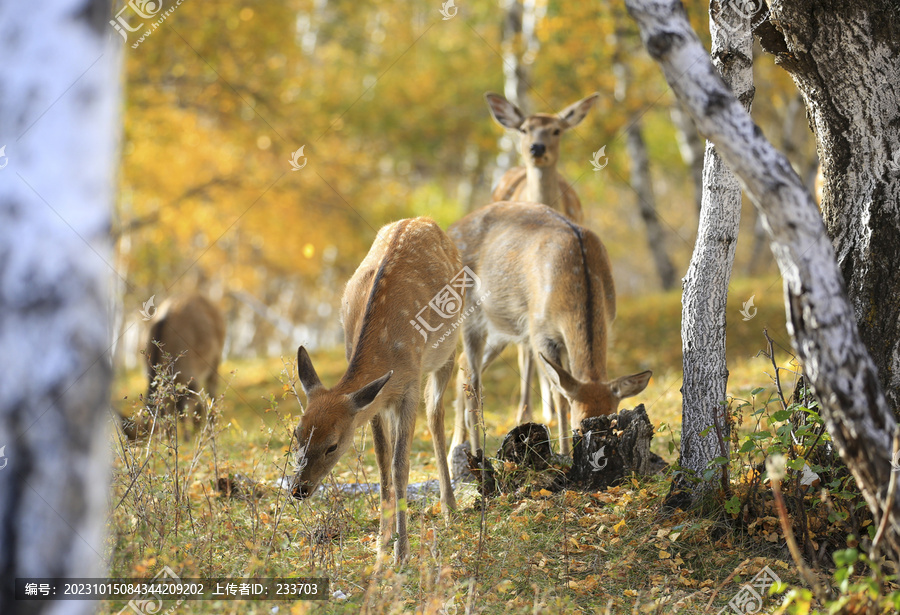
point(820, 317)
point(58, 120)
point(641, 182)
point(844, 56)
point(519, 46)
point(705, 428)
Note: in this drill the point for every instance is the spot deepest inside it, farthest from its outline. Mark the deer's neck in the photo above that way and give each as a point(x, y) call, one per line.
point(587, 356)
point(542, 184)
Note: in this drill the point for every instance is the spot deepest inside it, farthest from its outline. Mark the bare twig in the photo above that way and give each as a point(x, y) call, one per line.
point(771, 356)
point(889, 504)
point(807, 574)
point(725, 582)
point(133, 481)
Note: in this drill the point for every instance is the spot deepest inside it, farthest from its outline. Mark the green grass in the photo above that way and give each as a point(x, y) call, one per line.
point(571, 552)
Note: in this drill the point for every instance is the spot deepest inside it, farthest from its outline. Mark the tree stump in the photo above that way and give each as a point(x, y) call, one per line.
point(481, 468)
point(610, 447)
point(527, 445)
point(524, 462)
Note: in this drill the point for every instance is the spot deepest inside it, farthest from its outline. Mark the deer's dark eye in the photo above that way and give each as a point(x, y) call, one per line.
point(556, 132)
point(331, 449)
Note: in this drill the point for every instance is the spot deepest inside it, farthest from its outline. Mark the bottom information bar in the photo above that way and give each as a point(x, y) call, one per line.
point(171, 587)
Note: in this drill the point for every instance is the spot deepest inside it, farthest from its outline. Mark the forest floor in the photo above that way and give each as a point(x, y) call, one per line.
point(526, 552)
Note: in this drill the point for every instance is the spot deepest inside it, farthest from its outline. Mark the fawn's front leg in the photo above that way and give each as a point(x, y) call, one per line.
point(403, 433)
point(383, 453)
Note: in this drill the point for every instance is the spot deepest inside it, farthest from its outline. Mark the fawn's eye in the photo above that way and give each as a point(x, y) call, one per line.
point(331, 449)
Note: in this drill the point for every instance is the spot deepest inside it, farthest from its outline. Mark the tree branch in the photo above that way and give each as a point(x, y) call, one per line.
point(821, 321)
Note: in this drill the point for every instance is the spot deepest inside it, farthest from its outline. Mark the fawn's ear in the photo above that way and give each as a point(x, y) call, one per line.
point(309, 379)
point(366, 395)
point(626, 386)
point(504, 112)
point(560, 379)
point(574, 113)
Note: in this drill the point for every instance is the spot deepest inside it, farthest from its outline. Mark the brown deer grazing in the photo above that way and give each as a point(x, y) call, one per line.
point(191, 329)
point(397, 314)
point(537, 182)
point(551, 288)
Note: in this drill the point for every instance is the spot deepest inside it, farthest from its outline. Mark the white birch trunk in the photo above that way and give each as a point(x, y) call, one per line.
point(820, 318)
point(519, 47)
point(706, 283)
point(59, 122)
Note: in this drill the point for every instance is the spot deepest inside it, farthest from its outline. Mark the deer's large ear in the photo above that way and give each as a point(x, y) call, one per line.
point(561, 380)
point(309, 379)
point(574, 113)
point(504, 112)
point(366, 395)
point(626, 386)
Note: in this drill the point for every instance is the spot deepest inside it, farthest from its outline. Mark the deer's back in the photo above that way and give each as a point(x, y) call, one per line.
point(536, 264)
point(189, 324)
point(513, 187)
point(410, 262)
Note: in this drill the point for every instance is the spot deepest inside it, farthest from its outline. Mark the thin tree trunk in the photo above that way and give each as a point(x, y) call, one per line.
point(820, 316)
point(845, 59)
point(58, 118)
point(641, 182)
point(519, 46)
point(706, 283)
point(691, 147)
point(805, 168)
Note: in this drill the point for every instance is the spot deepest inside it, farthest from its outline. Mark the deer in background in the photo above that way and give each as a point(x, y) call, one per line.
point(191, 329)
point(537, 182)
point(552, 289)
point(396, 313)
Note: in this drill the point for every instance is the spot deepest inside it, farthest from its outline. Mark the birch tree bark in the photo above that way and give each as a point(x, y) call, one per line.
point(58, 121)
point(519, 46)
point(646, 202)
point(844, 56)
point(820, 317)
point(705, 429)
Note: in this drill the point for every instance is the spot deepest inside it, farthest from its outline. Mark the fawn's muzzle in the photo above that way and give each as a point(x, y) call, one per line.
point(538, 149)
point(301, 491)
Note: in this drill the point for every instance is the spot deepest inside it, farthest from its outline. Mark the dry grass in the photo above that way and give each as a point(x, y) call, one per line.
point(564, 552)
